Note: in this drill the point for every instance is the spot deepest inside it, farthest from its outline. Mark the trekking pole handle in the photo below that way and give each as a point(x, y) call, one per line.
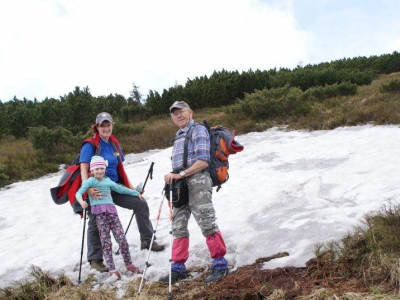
point(165, 187)
point(149, 174)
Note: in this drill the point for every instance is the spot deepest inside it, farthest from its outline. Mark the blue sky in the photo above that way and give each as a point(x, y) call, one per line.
point(49, 47)
point(348, 28)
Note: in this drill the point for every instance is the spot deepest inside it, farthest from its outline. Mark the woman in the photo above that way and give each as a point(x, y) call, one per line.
point(107, 146)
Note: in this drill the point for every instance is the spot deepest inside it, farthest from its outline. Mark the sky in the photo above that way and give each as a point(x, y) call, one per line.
point(287, 192)
point(48, 47)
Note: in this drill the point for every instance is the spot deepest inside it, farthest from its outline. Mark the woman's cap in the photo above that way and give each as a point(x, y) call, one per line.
point(98, 162)
point(179, 104)
point(104, 116)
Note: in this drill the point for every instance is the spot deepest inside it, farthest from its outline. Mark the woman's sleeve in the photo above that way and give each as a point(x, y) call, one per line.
point(87, 152)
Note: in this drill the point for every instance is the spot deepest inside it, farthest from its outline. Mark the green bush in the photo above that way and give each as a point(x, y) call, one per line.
point(121, 129)
point(392, 87)
point(55, 141)
point(321, 93)
point(4, 177)
point(273, 103)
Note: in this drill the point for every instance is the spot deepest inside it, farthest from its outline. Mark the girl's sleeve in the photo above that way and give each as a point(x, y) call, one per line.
point(122, 189)
point(84, 187)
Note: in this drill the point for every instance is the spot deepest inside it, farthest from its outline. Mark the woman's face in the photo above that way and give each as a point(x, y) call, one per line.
point(105, 130)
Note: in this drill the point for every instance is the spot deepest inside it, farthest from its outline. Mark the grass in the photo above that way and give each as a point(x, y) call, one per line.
point(19, 161)
point(370, 254)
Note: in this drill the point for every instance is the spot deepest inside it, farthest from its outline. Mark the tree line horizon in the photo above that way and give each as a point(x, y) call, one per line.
point(76, 110)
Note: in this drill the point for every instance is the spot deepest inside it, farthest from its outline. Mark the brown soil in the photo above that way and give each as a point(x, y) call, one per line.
point(254, 282)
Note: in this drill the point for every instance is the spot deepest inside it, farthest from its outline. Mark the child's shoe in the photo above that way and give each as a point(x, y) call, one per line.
point(116, 273)
point(133, 269)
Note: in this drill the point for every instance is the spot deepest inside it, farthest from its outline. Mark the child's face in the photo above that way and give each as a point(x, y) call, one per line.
point(98, 173)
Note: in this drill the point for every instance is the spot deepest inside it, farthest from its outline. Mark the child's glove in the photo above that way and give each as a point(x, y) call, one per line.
point(139, 187)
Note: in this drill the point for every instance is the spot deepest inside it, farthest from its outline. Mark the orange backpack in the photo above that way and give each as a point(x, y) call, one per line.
point(222, 144)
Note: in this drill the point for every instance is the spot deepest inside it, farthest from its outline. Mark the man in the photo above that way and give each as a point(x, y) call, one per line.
point(103, 140)
point(200, 193)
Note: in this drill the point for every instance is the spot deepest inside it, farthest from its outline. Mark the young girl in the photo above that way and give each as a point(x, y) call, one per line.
point(106, 213)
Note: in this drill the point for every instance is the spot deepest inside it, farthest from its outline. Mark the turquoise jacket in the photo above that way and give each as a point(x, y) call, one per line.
point(105, 186)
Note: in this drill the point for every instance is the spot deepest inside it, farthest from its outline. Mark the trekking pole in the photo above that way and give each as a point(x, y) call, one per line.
point(170, 246)
point(149, 174)
point(83, 241)
point(146, 265)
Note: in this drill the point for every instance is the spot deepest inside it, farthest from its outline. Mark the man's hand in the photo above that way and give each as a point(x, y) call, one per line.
point(170, 177)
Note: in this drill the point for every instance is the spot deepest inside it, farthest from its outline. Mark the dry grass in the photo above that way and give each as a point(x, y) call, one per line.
point(19, 161)
point(10, 145)
point(247, 282)
point(368, 106)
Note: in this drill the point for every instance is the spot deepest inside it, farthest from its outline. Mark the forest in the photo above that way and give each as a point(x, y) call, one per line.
point(44, 134)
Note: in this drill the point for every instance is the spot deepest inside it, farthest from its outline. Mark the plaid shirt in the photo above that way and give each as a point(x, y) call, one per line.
point(198, 147)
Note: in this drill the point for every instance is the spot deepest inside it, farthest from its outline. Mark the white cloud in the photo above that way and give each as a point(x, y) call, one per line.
point(49, 47)
point(109, 45)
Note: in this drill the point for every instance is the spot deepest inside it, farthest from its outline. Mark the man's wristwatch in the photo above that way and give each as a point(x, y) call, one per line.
point(182, 173)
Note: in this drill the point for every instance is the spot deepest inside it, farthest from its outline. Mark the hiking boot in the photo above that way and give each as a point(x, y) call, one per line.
point(216, 275)
point(133, 269)
point(116, 273)
point(175, 277)
point(155, 247)
point(98, 265)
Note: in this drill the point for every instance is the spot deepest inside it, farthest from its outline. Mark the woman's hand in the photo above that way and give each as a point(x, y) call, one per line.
point(94, 193)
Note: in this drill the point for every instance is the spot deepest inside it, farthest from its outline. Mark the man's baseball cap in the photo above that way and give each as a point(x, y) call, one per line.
point(179, 104)
point(104, 116)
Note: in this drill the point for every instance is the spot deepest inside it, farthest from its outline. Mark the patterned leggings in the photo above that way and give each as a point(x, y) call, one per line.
point(107, 222)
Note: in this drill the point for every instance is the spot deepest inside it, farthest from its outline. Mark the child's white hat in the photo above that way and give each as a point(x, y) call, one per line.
point(98, 162)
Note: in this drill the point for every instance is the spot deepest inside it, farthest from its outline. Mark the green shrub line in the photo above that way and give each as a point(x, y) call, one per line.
point(75, 110)
point(320, 107)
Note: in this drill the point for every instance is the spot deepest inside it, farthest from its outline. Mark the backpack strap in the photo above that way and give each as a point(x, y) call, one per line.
point(122, 176)
point(186, 145)
point(95, 143)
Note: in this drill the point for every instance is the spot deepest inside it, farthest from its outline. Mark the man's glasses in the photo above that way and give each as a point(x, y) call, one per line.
point(178, 113)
